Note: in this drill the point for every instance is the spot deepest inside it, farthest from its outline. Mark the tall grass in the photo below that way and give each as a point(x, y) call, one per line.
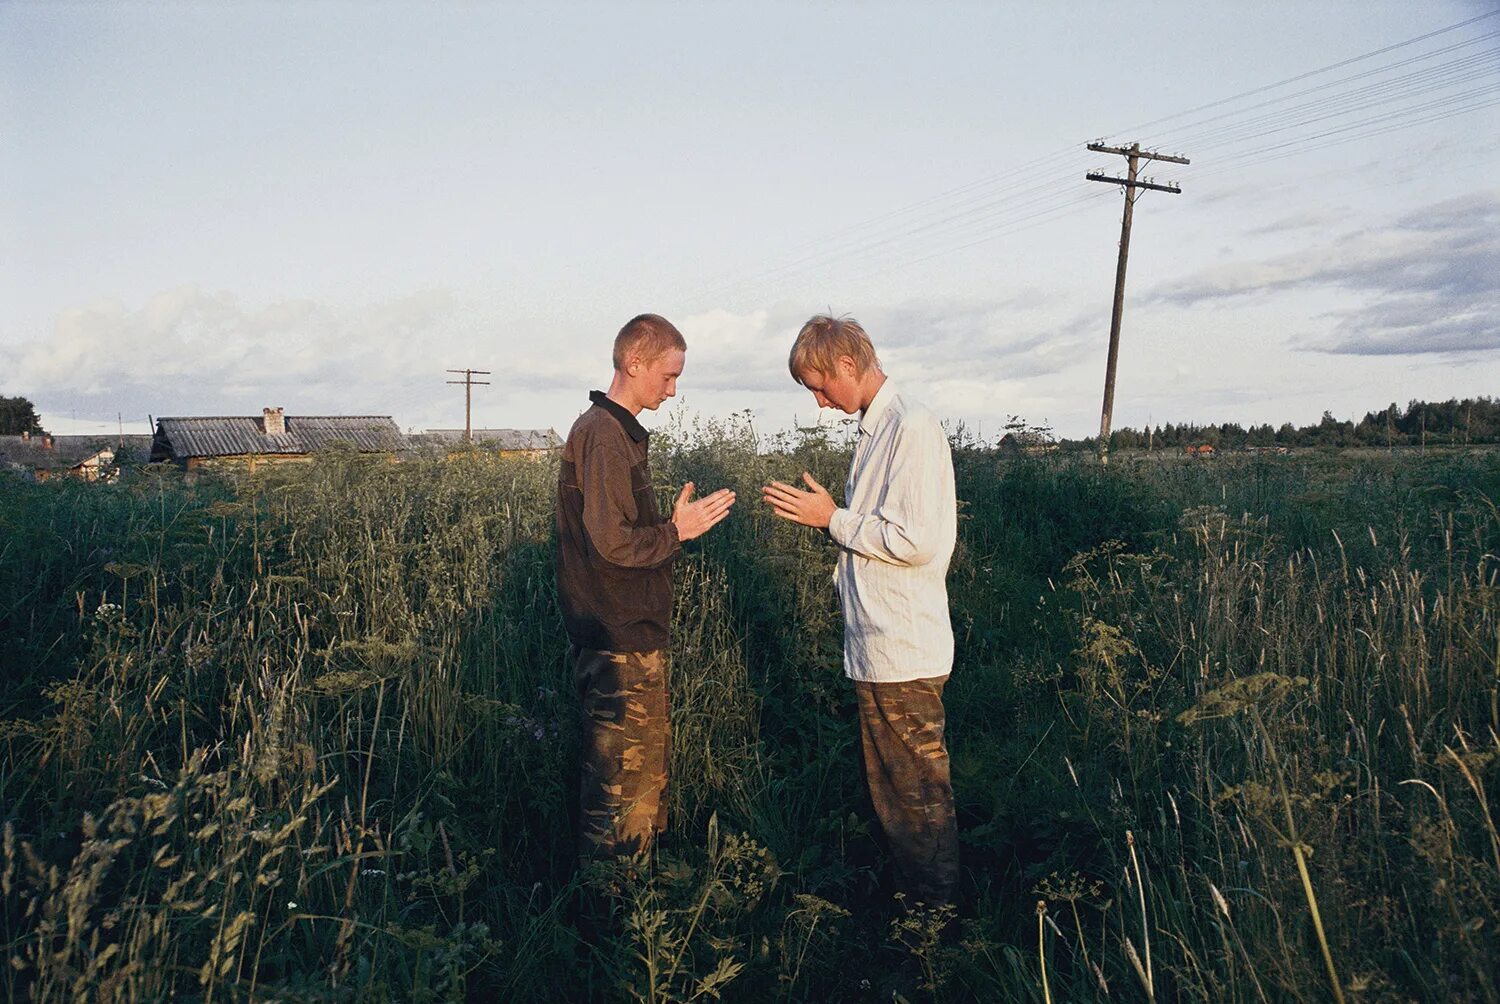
point(310, 736)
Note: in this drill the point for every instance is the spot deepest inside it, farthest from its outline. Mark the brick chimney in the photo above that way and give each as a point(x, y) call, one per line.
point(274, 421)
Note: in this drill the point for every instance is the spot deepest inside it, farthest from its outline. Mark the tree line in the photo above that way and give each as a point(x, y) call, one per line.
point(1421, 423)
point(1433, 423)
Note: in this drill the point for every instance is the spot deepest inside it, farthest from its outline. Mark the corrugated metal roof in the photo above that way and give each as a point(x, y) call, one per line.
point(232, 436)
point(499, 439)
point(65, 451)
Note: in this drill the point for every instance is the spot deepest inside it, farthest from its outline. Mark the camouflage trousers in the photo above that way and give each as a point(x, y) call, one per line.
point(906, 766)
point(622, 803)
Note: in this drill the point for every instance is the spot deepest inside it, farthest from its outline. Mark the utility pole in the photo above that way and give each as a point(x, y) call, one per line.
point(469, 384)
point(1132, 187)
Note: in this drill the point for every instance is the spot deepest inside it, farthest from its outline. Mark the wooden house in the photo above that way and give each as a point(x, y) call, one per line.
point(506, 442)
point(42, 456)
point(273, 437)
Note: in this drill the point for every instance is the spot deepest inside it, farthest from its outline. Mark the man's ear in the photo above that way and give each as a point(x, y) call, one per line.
point(848, 367)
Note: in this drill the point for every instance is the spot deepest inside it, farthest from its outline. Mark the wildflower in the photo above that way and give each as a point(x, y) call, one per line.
point(291, 904)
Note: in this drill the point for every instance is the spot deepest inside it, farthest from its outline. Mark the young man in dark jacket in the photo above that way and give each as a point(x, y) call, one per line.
point(614, 583)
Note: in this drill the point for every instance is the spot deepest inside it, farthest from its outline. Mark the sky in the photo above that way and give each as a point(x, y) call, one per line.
point(213, 208)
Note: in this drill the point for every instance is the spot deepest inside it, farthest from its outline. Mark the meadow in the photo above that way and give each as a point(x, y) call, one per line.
point(1221, 731)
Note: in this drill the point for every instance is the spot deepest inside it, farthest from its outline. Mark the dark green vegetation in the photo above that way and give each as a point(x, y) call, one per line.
point(17, 415)
point(310, 737)
point(1421, 423)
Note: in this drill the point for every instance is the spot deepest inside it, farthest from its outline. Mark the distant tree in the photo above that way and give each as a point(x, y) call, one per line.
point(1261, 435)
point(1472, 420)
point(18, 415)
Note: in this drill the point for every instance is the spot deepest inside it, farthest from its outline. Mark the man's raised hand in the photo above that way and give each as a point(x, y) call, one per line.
point(810, 508)
point(694, 519)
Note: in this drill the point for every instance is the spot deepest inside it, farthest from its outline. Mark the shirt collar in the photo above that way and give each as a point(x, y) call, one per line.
point(878, 404)
point(627, 421)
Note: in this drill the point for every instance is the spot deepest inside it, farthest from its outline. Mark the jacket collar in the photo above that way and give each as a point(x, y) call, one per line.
point(870, 417)
point(627, 421)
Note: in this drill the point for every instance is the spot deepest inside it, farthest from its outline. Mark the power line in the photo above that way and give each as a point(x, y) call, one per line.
point(995, 212)
point(848, 239)
point(1377, 125)
point(977, 212)
point(1331, 84)
point(1312, 73)
point(1271, 125)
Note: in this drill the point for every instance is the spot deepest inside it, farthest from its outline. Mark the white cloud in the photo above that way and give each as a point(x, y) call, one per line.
point(190, 351)
point(1425, 281)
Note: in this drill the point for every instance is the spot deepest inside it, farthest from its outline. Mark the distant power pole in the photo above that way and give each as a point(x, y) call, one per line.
point(469, 384)
point(1132, 187)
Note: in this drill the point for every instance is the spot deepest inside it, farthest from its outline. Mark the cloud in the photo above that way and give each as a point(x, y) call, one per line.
point(927, 342)
point(1427, 279)
point(1308, 220)
point(739, 352)
point(187, 350)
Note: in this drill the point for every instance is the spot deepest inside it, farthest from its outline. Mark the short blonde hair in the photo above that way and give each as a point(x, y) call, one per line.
point(823, 339)
point(646, 336)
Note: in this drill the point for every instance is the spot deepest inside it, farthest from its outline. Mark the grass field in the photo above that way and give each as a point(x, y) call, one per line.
point(1218, 730)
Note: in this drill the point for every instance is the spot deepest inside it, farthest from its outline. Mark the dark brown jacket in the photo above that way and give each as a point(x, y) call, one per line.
point(614, 548)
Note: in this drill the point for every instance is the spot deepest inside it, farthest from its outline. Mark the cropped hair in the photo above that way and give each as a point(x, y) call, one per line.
point(647, 336)
point(825, 338)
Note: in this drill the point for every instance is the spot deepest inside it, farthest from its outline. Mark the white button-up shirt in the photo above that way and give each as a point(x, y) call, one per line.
point(897, 537)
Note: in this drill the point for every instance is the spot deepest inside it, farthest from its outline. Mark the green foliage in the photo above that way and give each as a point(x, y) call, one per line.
point(1422, 424)
point(18, 415)
point(310, 735)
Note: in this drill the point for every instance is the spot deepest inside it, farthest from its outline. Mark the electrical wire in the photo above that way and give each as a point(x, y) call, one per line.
point(976, 213)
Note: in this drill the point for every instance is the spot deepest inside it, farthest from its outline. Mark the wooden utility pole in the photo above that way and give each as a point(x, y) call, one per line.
point(1132, 187)
point(469, 384)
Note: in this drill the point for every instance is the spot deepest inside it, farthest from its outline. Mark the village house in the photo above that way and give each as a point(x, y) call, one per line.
point(42, 456)
point(506, 442)
point(273, 437)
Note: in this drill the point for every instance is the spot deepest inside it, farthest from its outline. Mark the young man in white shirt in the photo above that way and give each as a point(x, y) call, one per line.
point(896, 536)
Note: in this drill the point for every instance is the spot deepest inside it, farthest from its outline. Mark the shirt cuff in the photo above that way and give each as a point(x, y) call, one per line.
point(838, 526)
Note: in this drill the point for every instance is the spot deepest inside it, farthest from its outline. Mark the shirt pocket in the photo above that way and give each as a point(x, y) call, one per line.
point(646, 511)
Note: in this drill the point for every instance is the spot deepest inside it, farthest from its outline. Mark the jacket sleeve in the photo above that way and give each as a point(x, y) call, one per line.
point(609, 512)
point(906, 527)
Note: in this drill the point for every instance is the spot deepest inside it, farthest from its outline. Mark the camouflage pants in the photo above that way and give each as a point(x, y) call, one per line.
point(906, 767)
point(622, 802)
